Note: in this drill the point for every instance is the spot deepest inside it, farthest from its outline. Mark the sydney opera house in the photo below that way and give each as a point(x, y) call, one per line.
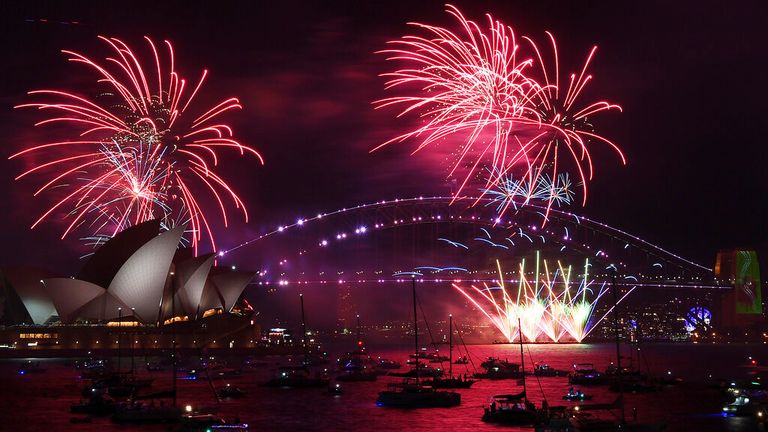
point(139, 285)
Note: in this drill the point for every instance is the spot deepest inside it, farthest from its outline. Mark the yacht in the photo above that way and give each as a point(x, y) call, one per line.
point(413, 393)
point(297, 377)
point(576, 395)
point(586, 374)
point(544, 370)
point(451, 381)
point(497, 369)
point(511, 409)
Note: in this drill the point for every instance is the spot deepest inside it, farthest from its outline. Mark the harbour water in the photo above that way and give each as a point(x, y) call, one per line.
point(41, 401)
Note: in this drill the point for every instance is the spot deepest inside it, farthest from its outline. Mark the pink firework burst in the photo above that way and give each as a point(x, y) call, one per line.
point(470, 83)
point(512, 115)
point(559, 110)
point(138, 152)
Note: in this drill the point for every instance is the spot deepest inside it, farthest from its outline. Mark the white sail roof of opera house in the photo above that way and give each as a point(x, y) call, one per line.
point(135, 289)
point(191, 275)
point(69, 295)
point(230, 285)
point(138, 273)
point(27, 283)
point(107, 260)
point(141, 280)
point(223, 288)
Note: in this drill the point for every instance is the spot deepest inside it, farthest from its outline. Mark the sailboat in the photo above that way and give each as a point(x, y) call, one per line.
point(451, 381)
point(513, 409)
point(299, 376)
point(136, 411)
point(358, 364)
point(412, 393)
point(587, 423)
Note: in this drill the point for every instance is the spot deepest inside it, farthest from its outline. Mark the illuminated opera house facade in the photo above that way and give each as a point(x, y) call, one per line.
point(137, 288)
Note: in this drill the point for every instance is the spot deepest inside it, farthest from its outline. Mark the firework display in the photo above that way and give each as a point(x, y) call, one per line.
point(499, 109)
point(137, 152)
point(510, 192)
point(552, 304)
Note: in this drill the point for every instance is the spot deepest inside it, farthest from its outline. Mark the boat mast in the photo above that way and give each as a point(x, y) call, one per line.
point(415, 330)
point(359, 341)
point(173, 342)
point(304, 330)
point(522, 357)
point(618, 341)
point(119, 326)
point(450, 345)
point(133, 345)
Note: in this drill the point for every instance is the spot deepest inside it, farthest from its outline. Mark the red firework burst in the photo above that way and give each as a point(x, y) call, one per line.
point(138, 153)
point(472, 86)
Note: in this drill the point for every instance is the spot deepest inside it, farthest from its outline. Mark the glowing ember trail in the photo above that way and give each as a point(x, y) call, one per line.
point(137, 152)
point(552, 306)
point(502, 110)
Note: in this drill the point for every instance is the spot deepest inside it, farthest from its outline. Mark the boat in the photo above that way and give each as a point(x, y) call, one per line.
point(433, 357)
point(335, 390)
point(584, 422)
point(125, 384)
point(513, 409)
point(140, 412)
point(497, 369)
point(742, 406)
point(136, 410)
point(230, 391)
point(383, 363)
point(542, 369)
point(209, 422)
point(95, 405)
point(670, 379)
point(310, 358)
point(357, 365)
point(412, 393)
point(297, 377)
point(420, 370)
point(462, 360)
point(576, 395)
point(451, 381)
point(586, 374)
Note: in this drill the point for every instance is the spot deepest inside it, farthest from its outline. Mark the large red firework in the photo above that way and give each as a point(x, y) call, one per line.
point(471, 85)
point(559, 111)
point(137, 153)
point(512, 117)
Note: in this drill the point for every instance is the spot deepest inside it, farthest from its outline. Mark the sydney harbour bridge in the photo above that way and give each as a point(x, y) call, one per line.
point(445, 243)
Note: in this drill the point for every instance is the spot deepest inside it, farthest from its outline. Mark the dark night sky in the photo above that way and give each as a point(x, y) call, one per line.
point(690, 77)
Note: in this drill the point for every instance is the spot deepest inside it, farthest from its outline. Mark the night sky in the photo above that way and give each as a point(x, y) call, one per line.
point(690, 77)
